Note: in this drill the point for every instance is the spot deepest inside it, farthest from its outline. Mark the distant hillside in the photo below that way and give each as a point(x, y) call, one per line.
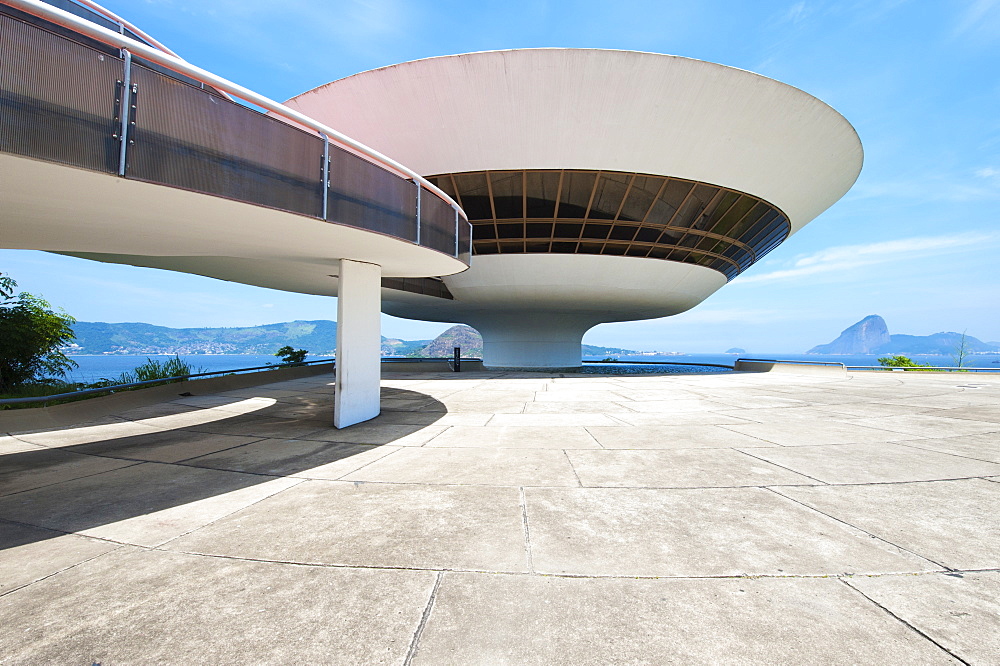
point(444, 345)
point(871, 336)
point(318, 337)
point(593, 350)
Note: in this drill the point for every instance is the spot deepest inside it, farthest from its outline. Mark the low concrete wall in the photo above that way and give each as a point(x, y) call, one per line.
point(71, 413)
point(429, 366)
point(790, 368)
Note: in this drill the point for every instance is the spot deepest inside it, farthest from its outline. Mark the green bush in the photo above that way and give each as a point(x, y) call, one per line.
point(149, 371)
point(900, 362)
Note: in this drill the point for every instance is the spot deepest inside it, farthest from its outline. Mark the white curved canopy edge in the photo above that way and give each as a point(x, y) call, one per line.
point(601, 110)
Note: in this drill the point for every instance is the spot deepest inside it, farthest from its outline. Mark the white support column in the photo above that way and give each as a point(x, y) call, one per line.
point(359, 343)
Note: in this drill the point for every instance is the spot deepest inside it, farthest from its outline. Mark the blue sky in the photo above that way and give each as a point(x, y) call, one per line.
point(917, 240)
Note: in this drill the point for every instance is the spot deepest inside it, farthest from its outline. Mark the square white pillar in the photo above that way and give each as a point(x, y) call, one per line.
point(359, 343)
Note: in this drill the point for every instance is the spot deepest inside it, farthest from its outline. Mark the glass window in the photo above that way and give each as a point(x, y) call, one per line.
point(508, 195)
point(484, 231)
point(611, 188)
point(538, 230)
point(596, 231)
point(564, 248)
point(640, 196)
point(568, 230)
point(542, 188)
point(576, 191)
point(475, 195)
point(510, 230)
point(623, 232)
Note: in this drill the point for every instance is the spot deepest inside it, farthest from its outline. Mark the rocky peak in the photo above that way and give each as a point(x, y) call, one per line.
point(861, 338)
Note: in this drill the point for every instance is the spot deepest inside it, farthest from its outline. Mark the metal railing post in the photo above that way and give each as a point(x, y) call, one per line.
point(455, 208)
point(470, 240)
point(125, 110)
point(326, 173)
point(418, 211)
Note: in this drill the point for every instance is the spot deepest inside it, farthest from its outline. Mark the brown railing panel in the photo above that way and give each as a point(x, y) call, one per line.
point(57, 98)
point(194, 139)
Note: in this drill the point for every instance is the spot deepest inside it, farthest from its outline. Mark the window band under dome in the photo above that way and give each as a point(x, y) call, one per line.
point(574, 211)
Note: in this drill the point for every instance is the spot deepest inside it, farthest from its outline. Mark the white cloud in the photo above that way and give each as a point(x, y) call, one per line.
point(847, 258)
point(987, 172)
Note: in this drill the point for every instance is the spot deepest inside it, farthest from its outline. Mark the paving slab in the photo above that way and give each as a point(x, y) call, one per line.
point(145, 504)
point(9, 445)
point(87, 434)
point(671, 437)
point(954, 523)
point(31, 553)
point(930, 426)
point(874, 463)
point(960, 612)
point(42, 467)
point(516, 437)
point(465, 466)
point(170, 608)
point(306, 459)
point(680, 418)
point(490, 619)
point(364, 433)
point(593, 419)
point(811, 432)
point(580, 407)
point(979, 447)
point(697, 532)
point(368, 524)
point(165, 446)
point(678, 468)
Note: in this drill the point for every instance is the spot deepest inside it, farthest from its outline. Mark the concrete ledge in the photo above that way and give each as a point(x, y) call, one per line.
point(790, 368)
point(70, 413)
point(430, 366)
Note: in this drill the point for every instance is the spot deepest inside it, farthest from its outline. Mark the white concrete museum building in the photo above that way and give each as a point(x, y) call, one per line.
point(531, 194)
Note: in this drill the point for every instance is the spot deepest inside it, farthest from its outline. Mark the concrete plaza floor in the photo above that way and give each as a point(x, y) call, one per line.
point(515, 518)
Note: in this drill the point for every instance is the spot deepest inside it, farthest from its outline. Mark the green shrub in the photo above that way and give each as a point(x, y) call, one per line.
point(900, 362)
point(149, 371)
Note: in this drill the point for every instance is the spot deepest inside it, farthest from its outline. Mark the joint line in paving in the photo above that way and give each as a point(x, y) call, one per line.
point(527, 533)
point(905, 623)
point(860, 529)
point(415, 643)
point(764, 460)
point(234, 511)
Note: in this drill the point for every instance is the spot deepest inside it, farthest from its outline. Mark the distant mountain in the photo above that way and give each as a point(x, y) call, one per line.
point(861, 338)
point(593, 350)
point(736, 350)
point(871, 336)
point(444, 345)
point(937, 343)
point(319, 337)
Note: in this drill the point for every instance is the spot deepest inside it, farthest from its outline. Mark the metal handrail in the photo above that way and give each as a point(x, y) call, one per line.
point(108, 14)
point(774, 360)
point(111, 38)
point(707, 365)
point(947, 368)
point(150, 382)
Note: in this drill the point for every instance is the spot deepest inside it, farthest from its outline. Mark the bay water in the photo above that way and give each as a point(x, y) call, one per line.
point(92, 368)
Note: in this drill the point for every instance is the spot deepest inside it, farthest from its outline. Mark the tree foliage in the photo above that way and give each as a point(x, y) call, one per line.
point(290, 356)
point(31, 333)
